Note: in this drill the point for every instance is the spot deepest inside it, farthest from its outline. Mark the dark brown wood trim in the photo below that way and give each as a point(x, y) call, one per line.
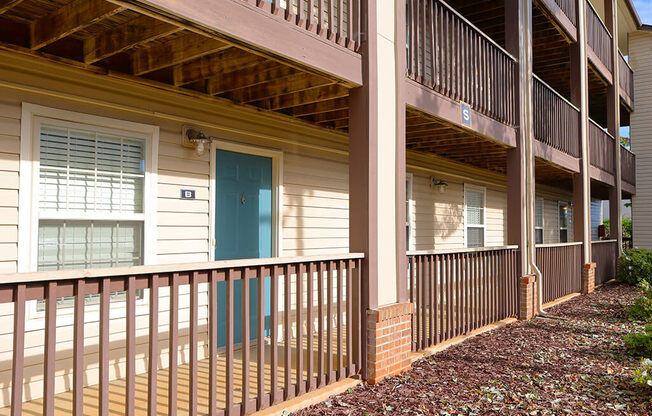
point(602, 176)
point(556, 156)
point(598, 65)
point(431, 102)
point(245, 24)
point(560, 18)
point(628, 187)
point(627, 100)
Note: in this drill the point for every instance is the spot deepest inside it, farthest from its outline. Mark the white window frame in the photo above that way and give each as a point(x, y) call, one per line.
point(277, 185)
point(559, 227)
point(29, 214)
point(409, 212)
point(484, 215)
point(540, 200)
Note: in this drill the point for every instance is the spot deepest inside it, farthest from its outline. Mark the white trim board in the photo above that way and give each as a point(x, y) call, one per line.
point(31, 117)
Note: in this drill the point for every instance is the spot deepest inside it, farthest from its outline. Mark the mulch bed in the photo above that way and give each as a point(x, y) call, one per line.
point(542, 367)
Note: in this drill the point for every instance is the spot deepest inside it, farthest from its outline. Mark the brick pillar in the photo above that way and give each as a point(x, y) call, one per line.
point(588, 278)
point(527, 308)
point(389, 339)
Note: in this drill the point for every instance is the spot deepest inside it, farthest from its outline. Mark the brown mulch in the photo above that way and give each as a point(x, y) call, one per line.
point(542, 367)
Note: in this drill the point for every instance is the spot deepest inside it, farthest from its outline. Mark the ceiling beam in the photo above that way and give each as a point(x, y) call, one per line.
point(137, 31)
point(279, 86)
point(226, 61)
point(320, 107)
point(68, 19)
point(174, 52)
point(248, 77)
point(9, 5)
point(303, 97)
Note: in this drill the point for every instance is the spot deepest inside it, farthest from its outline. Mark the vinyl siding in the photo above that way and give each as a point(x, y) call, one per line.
point(9, 164)
point(551, 200)
point(640, 58)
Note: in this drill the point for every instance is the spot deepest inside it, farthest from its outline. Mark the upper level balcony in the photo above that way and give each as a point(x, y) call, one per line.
point(289, 57)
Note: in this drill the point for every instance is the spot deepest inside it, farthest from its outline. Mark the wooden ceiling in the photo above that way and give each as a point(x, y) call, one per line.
point(108, 38)
point(426, 133)
point(553, 175)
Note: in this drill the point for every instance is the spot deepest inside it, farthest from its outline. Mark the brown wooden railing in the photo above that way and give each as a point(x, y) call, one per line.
point(299, 316)
point(601, 148)
point(561, 267)
point(569, 7)
point(626, 76)
point(450, 55)
point(458, 291)
point(605, 256)
point(627, 166)
point(598, 36)
point(337, 20)
point(556, 121)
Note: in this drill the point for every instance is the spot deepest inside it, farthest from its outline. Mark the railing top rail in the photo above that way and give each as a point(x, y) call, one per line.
point(459, 250)
point(601, 129)
point(599, 18)
point(75, 274)
point(555, 92)
point(474, 27)
point(622, 57)
point(626, 149)
point(603, 241)
point(553, 245)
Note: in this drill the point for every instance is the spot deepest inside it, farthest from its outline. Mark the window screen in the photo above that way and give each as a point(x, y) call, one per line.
point(475, 212)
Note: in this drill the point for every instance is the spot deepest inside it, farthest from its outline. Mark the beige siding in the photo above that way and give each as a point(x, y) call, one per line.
point(551, 200)
point(9, 161)
point(438, 218)
point(640, 58)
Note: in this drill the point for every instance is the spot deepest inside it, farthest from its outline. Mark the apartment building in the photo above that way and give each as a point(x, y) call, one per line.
point(216, 206)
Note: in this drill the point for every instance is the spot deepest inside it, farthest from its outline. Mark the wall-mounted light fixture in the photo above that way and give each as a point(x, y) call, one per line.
point(438, 183)
point(193, 137)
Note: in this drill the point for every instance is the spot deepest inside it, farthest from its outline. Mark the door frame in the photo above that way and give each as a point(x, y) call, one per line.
point(277, 190)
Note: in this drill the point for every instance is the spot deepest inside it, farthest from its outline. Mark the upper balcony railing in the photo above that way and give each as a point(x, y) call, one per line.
point(569, 7)
point(598, 37)
point(627, 166)
point(626, 76)
point(449, 54)
point(557, 120)
point(601, 148)
point(338, 20)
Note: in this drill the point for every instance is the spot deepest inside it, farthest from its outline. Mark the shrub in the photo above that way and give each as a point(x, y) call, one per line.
point(641, 310)
point(639, 343)
point(634, 266)
point(644, 374)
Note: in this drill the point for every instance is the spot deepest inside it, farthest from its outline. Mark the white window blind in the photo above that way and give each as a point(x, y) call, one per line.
point(91, 192)
point(474, 200)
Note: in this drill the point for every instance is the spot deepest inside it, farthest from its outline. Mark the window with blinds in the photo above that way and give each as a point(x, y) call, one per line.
point(564, 216)
point(474, 206)
point(538, 220)
point(91, 191)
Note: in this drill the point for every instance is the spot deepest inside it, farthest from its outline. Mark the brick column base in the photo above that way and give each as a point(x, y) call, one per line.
point(389, 339)
point(588, 278)
point(527, 299)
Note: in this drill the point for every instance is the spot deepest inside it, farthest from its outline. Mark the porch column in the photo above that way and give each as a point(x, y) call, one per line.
point(579, 97)
point(377, 192)
point(613, 126)
point(516, 176)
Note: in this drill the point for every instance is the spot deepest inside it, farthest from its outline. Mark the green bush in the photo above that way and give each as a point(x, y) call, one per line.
point(641, 310)
point(627, 227)
point(643, 375)
point(639, 343)
point(634, 266)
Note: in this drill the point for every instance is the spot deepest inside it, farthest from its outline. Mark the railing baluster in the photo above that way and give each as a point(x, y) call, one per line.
point(289, 393)
point(18, 354)
point(340, 320)
point(50, 347)
point(105, 298)
point(152, 365)
point(301, 386)
point(320, 325)
point(194, 340)
point(273, 362)
point(212, 366)
point(230, 318)
point(78, 349)
point(173, 344)
point(260, 348)
point(329, 322)
point(130, 387)
point(246, 337)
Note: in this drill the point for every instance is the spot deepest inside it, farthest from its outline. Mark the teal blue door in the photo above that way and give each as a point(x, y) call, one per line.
point(243, 229)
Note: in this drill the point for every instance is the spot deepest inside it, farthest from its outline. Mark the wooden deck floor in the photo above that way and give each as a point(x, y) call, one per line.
point(63, 401)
